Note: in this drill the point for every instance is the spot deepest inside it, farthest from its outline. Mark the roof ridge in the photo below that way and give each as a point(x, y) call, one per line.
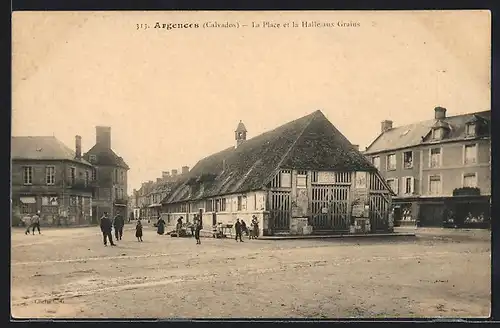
point(443, 119)
point(422, 128)
point(230, 148)
point(312, 116)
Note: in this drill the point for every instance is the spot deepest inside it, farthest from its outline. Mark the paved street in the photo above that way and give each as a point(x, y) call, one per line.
point(69, 273)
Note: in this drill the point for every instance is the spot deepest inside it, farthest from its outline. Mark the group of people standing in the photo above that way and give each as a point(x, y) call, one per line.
point(241, 227)
point(118, 224)
point(107, 226)
point(34, 222)
point(195, 227)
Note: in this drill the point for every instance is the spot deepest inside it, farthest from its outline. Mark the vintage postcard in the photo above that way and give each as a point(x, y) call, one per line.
point(251, 164)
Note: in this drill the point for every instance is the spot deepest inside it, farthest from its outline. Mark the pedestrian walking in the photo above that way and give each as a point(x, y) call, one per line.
point(35, 222)
point(237, 227)
point(197, 229)
point(192, 227)
point(29, 224)
point(118, 224)
point(106, 227)
point(244, 228)
point(160, 226)
point(138, 230)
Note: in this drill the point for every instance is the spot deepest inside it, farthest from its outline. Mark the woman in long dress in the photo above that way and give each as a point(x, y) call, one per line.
point(138, 230)
point(161, 226)
point(255, 227)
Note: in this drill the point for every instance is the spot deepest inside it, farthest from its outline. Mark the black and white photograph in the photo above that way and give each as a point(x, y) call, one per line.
point(251, 164)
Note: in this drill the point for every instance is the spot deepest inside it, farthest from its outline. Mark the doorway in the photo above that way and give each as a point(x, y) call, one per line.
point(431, 215)
point(94, 215)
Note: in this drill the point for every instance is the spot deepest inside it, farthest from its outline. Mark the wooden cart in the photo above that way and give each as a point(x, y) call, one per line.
point(223, 230)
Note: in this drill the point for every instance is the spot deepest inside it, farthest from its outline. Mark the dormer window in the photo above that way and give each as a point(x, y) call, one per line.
point(437, 134)
point(92, 158)
point(470, 129)
point(439, 130)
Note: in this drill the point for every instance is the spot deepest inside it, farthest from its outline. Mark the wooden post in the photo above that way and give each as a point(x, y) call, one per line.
point(293, 197)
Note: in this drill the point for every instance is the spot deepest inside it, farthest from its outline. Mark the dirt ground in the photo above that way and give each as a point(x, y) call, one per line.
point(68, 273)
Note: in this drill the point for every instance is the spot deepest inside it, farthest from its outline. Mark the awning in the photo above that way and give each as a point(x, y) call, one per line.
point(28, 200)
point(155, 205)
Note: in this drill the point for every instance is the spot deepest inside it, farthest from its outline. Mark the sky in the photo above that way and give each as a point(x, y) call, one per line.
point(172, 97)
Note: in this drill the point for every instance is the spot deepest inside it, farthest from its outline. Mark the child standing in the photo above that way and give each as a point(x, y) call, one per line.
point(138, 230)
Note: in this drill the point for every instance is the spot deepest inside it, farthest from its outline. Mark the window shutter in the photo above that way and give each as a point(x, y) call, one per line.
point(412, 190)
point(396, 186)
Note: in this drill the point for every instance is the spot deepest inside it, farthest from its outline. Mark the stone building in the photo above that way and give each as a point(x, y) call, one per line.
point(132, 206)
point(143, 199)
point(437, 167)
point(48, 176)
point(304, 172)
point(151, 193)
point(110, 173)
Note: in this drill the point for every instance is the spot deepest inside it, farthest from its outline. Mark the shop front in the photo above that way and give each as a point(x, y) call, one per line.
point(455, 212)
point(405, 212)
point(473, 212)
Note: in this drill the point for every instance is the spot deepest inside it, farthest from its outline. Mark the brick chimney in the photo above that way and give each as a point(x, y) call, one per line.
point(386, 126)
point(356, 147)
point(78, 147)
point(185, 170)
point(158, 180)
point(174, 172)
point(103, 136)
point(165, 174)
point(439, 113)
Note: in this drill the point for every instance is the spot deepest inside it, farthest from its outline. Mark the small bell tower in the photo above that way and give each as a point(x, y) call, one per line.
point(240, 135)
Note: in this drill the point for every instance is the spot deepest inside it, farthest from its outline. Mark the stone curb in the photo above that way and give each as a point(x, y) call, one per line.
point(337, 236)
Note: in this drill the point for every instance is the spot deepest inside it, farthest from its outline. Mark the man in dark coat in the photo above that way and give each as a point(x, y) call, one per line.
point(237, 227)
point(35, 221)
point(244, 228)
point(197, 225)
point(118, 224)
point(106, 227)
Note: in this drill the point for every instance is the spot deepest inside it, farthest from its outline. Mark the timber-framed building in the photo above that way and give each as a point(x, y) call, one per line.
point(304, 171)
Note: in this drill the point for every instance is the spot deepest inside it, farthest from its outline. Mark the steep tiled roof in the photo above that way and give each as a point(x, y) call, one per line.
point(105, 156)
point(42, 148)
point(163, 186)
point(310, 142)
point(412, 134)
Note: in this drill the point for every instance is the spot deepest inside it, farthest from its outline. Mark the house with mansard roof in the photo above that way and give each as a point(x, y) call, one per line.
point(49, 177)
point(439, 169)
point(304, 172)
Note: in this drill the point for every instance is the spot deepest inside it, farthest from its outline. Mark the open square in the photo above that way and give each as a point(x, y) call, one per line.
point(69, 273)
